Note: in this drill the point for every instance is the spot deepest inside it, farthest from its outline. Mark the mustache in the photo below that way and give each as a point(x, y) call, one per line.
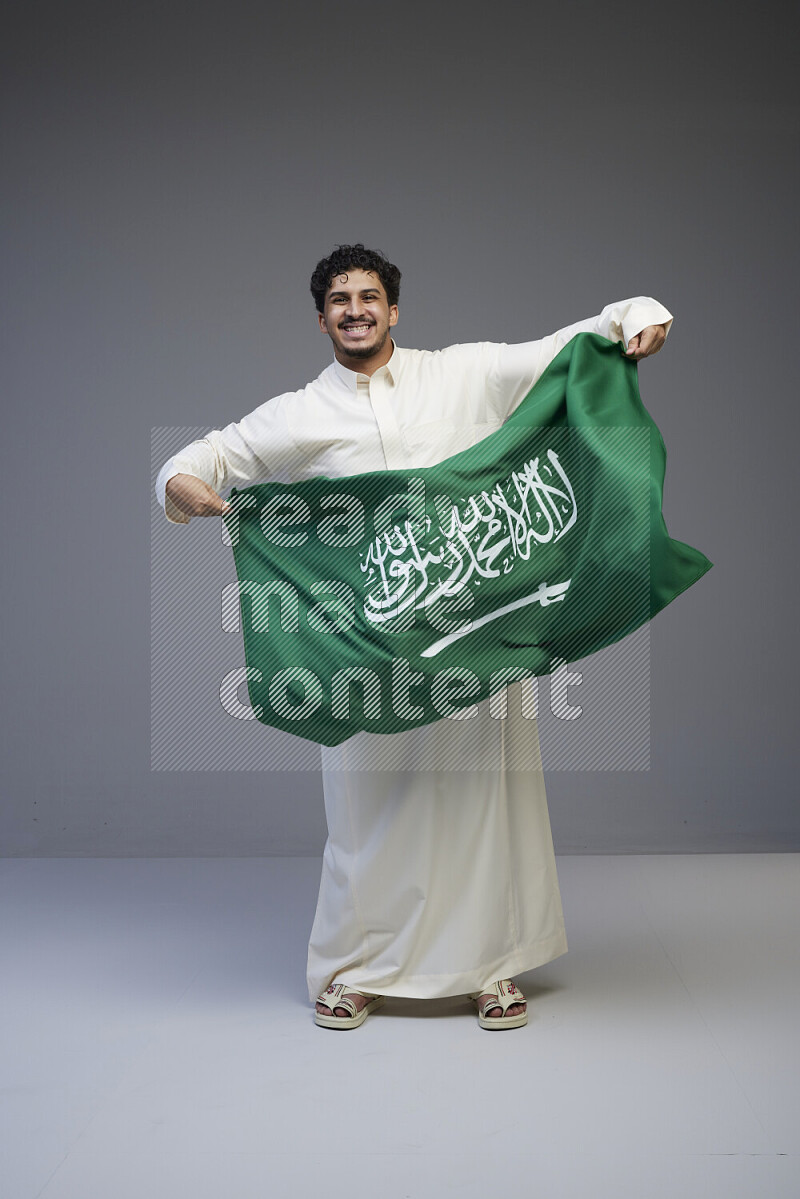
point(342, 324)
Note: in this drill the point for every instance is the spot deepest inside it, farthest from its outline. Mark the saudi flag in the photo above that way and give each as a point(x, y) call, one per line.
point(389, 600)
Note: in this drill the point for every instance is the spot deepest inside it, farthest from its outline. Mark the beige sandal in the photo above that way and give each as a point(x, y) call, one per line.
point(502, 994)
point(334, 997)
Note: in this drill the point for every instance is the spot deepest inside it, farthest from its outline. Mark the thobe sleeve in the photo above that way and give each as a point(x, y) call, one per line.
point(251, 450)
point(516, 368)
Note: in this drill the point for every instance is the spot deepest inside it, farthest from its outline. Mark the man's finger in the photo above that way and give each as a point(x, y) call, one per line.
point(633, 345)
point(194, 497)
point(655, 336)
point(214, 505)
point(647, 339)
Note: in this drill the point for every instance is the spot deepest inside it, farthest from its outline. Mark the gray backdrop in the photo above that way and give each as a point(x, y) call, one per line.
point(174, 171)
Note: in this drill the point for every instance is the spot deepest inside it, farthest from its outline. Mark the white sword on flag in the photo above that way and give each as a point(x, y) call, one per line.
point(544, 594)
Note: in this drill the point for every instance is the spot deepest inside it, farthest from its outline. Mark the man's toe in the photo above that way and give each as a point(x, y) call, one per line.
point(496, 1013)
point(358, 999)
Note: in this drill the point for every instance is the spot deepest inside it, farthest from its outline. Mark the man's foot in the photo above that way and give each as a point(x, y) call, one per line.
point(357, 998)
point(340, 1007)
point(516, 1009)
point(501, 1006)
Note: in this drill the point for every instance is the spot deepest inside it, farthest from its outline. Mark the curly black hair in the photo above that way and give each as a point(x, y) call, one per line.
point(348, 258)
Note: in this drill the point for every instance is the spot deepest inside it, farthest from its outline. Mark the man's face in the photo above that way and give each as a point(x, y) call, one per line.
point(357, 315)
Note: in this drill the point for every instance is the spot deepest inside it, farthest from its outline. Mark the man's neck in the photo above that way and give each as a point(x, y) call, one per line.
point(367, 366)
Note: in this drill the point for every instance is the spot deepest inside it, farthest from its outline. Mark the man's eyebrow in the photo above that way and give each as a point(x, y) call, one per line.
point(363, 292)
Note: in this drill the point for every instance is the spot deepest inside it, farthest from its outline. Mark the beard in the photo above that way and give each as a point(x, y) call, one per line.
point(367, 351)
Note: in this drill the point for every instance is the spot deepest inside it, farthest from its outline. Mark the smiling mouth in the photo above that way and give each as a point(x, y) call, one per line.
point(356, 330)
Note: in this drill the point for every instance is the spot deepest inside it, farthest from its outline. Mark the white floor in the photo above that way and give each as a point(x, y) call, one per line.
point(158, 1042)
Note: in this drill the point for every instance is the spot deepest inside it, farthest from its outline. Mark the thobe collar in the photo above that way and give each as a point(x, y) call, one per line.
point(389, 370)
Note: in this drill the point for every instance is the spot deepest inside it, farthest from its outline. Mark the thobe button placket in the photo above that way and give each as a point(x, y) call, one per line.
point(380, 390)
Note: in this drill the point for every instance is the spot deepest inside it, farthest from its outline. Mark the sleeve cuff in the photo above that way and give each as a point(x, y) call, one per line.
point(642, 312)
point(173, 514)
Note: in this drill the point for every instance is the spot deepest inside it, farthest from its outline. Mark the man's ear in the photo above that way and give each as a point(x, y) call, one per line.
point(321, 319)
point(393, 315)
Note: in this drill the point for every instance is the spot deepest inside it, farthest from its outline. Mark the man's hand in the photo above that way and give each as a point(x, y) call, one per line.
point(194, 497)
point(648, 342)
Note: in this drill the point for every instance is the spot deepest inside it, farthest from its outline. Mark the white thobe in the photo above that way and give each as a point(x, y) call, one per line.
point(434, 881)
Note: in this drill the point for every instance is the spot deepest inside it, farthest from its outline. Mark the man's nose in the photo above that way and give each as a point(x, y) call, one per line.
point(355, 307)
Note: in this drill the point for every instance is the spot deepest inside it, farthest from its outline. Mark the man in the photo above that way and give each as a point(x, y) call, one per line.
point(435, 881)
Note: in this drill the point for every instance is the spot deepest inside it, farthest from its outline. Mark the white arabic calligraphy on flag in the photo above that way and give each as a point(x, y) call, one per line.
point(414, 565)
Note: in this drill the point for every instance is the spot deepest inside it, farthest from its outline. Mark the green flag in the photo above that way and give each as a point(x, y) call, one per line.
point(390, 600)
